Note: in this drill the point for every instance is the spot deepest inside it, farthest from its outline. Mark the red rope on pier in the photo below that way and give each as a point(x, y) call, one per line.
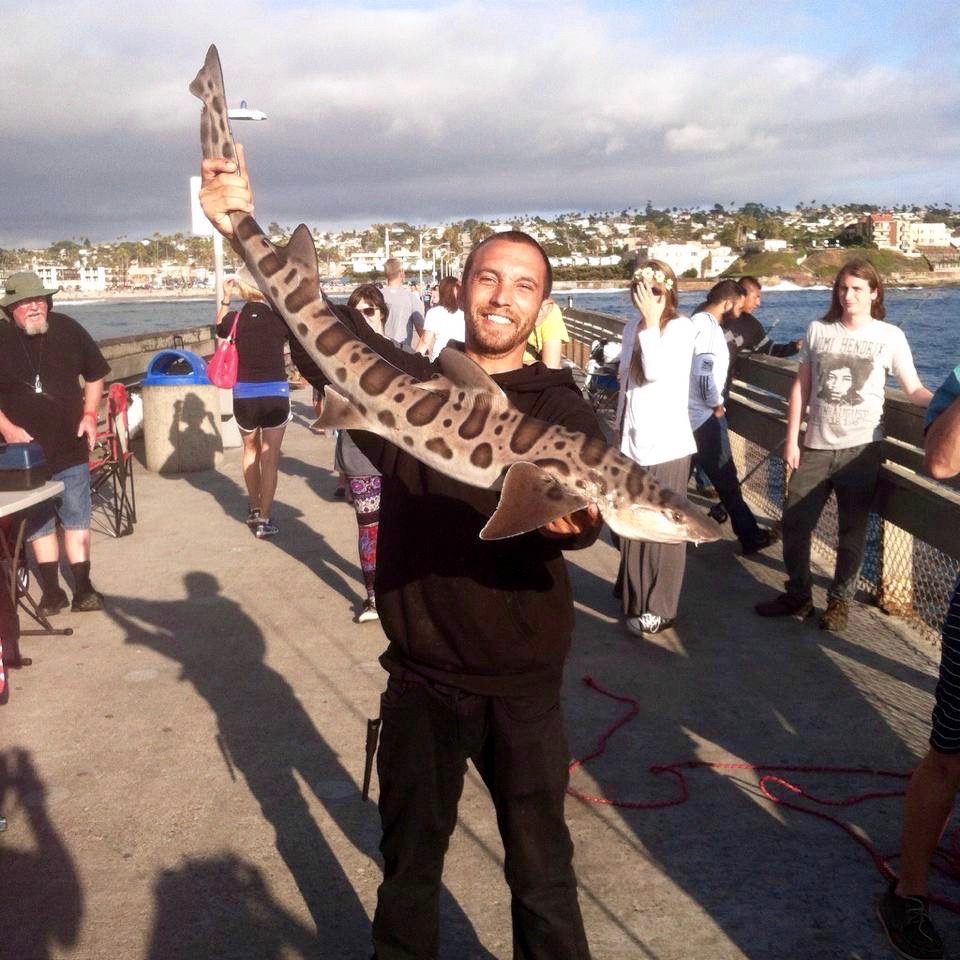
point(949, 859)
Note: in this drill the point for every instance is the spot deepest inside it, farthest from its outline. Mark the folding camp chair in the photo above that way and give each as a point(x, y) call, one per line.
point(111, 470)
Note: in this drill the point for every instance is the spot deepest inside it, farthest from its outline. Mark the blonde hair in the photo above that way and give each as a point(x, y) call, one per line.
point(248, 286)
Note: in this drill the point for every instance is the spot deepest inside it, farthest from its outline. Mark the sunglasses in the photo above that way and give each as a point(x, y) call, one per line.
point(369, 311)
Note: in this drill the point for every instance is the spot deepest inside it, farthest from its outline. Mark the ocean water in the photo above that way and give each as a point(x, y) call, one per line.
point(929, 317)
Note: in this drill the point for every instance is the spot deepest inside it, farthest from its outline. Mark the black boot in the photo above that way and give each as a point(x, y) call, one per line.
point(85, 598)
point(53, 598)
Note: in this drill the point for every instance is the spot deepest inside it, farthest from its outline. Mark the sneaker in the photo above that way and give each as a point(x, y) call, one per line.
point(265, 529)
point(647, 624)
point(87, 601)
point(52, 602)
point(765, 538)
point(906, 921)
point(368, 612)
point(835, 616)
point(785, 605)
point(253, 519)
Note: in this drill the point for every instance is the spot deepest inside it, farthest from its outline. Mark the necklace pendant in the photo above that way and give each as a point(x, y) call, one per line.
point(37, 386)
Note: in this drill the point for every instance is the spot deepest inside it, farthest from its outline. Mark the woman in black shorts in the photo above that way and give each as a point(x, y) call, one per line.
point(261, 395)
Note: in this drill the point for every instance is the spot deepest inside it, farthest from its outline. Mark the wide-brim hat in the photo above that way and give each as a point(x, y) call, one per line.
point(25, 286)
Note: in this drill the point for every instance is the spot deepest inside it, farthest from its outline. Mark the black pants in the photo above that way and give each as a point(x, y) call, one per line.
point(713, 454)
point(852, 474)
point(519, 748)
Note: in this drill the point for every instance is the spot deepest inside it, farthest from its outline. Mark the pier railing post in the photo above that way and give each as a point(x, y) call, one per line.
point(895, 589)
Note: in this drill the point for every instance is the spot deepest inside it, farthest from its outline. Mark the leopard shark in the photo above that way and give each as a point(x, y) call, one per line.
point(460, 422)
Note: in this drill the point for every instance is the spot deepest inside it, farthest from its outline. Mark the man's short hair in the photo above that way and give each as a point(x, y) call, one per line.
point(725, 290)
point(513, 236)
point(392, 268)
point(750, 283)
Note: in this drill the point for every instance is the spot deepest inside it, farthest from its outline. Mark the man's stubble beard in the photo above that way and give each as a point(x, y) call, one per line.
point(500, 347)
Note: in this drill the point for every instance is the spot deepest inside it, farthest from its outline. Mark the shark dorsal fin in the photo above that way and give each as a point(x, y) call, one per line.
point(530, 498)
point(462, 372)
point(301, 251)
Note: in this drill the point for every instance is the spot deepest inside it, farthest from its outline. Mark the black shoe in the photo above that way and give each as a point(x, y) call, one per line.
point(87, 601)
point(907, 924)
point(253, 519)
point(765, 538)
point(52, 602)
point(786, 605)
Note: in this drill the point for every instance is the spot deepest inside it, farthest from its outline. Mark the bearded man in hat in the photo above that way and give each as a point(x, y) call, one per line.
point(43, 355)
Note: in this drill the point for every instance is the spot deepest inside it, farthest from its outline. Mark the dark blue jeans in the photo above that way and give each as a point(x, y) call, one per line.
point(713, 454)
point(520, 750)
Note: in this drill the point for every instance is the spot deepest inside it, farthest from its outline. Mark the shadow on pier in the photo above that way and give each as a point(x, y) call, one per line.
point(268, 740)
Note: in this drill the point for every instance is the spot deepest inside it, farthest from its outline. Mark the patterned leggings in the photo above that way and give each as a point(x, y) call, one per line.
point(366, 501)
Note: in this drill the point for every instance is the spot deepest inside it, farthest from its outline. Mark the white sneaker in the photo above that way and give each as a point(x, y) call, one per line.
point(369, 611)
point(647, 624)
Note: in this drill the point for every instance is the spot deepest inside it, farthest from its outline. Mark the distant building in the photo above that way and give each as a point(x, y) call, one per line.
point(680, 257)
point(765, 246)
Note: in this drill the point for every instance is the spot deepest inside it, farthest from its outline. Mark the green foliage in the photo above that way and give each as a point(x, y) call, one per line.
point(690, 274)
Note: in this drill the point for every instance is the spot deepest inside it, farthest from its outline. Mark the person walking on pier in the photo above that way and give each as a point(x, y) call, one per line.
point(655, 432)
point(404, 324)
point(903, 910)
point(362, 477)
point(844, 363)
point(43, 356)
point(708, 375)
point(261, 396)
point(478, 630)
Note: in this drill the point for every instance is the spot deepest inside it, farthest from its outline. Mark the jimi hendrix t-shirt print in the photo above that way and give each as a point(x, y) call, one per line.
point(849, 370)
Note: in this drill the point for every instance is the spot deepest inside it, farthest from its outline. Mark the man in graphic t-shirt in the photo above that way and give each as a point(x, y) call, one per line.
point(844, 363)
point(43, 355)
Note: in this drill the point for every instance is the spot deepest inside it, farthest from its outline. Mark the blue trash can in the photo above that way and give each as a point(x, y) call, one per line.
point(181, 414)
point(175, 368)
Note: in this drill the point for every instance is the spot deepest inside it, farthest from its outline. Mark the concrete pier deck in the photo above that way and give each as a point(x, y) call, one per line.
point(181, 776)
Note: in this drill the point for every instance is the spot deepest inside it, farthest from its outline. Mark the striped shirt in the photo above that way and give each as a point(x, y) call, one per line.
point(945, 736)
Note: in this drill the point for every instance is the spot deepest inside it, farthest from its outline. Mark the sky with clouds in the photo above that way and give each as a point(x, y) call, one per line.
point(434, 111)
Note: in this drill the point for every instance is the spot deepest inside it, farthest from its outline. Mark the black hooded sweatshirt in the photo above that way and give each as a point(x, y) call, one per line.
point(488, 617)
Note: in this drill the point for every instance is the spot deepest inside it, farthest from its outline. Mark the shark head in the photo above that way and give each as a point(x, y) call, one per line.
point(665, 518)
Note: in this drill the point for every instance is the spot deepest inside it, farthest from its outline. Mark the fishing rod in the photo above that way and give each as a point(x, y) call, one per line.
point(718, 511)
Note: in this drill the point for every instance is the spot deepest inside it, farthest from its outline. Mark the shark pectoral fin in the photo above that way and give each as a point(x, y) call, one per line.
point(530, 498)
point(339, 413)
point(461, 371)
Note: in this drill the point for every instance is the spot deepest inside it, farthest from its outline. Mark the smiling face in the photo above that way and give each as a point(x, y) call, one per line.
point(31, 315)
point(501, 299)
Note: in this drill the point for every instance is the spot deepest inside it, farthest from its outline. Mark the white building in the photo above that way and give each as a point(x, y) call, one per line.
point(680, 257)
point(765, 246)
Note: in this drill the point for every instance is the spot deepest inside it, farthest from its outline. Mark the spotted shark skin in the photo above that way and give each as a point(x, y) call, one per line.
point(460, 424)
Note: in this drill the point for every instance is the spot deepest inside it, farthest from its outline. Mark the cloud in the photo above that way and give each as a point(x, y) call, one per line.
point(431, 112)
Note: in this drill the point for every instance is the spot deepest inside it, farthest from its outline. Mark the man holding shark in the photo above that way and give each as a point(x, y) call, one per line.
point(478, 629)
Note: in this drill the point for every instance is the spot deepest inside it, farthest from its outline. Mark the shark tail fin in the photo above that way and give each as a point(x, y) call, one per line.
point(209, 79)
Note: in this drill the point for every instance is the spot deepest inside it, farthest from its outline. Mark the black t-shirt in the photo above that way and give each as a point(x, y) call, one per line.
point(58, 358)
point(261, 337)
point(493, 617)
